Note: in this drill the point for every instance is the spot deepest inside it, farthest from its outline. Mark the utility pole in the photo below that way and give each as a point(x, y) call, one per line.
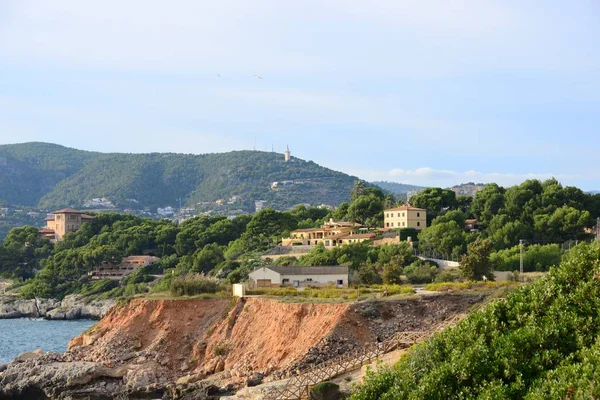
point(598, 229)
point(521, 260)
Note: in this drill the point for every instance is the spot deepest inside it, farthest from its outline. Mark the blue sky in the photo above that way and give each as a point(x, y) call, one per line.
point(422, 92)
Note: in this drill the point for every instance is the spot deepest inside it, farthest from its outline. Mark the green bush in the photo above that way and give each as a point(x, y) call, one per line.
point(99, 286)
point(448, 275)
point(191, 285)
point(541, 342)
point(325, 391)
point(421, 272)
point(535, 258)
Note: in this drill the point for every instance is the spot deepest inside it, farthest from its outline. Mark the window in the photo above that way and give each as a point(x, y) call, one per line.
point(403, 224)
point(387, 224)
point(392, 224)
point(418, 223)
point(284, 281)
point(392, 215)
point(387, 215)
point(403, 214)
point(340, 282)
point(418, 214)
point(309, 280)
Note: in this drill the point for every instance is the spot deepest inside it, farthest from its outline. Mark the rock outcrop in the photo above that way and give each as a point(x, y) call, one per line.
point(71, 307)
point(18, 307)
point(78, 307)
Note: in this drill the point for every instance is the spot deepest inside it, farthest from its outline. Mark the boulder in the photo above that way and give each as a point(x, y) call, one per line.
point(29, 355)
point(255, 379)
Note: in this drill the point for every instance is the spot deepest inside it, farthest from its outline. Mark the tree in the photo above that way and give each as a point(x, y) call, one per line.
point(358, 189)
point(565, 223)
point(208, 258)
point(434, 200)
point(366, 210)
point(318, 256)
point(452, 215)
point(506, 233)
point(447, 239)
point(476, 263)
point(488, 202)
point(392, 273)
point(368, 274)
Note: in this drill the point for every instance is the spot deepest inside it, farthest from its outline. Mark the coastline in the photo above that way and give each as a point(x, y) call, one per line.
point(72, 307)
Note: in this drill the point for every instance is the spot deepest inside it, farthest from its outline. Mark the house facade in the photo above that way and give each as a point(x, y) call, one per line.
point(300, 277)
point(118, 271)
point(405, 216)
point(62, 222)
point(332, 233)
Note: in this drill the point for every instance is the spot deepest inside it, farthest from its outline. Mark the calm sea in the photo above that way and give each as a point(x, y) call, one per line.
point(19, 335)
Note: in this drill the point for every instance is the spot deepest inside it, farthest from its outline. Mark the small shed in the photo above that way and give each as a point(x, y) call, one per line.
point(299, 277)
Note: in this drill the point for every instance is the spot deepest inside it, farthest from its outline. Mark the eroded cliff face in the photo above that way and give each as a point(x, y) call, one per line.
point(204, 337)
point(161, 347)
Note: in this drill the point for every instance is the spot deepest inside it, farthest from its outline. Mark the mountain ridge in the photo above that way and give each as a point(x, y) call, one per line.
point(49, 176)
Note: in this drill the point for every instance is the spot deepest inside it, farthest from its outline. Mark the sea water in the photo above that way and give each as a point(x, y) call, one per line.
point(24, 334)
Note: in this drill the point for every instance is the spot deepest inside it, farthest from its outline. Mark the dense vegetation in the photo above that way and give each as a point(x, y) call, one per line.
point(229, 249)
point(51, 176)
point(219, 247)
point(540, 213)
point(541, 343)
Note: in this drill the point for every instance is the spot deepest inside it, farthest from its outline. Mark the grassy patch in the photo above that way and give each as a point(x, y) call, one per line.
point(353, 293)
point(447, 286)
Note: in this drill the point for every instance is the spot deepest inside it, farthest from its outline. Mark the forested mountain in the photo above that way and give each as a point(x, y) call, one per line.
point(396, 188)
point(52, 176)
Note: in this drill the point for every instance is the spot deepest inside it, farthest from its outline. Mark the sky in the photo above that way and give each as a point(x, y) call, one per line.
point(427, 92)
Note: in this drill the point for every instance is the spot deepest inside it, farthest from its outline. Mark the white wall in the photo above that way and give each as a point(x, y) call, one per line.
point(442, 263)
point(265, 273)
point(323, 279)
point(239, 290)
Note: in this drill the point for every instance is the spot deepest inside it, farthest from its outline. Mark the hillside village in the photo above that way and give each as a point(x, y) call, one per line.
point(377, 237)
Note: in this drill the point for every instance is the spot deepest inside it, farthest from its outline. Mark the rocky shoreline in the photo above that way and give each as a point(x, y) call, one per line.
point(72, 307)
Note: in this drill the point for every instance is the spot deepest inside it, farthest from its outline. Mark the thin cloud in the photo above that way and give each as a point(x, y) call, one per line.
point(428, 175)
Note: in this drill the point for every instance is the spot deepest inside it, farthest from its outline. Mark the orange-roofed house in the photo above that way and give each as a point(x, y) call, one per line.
point(405, 216)
point(62, 222)
point(332, 233)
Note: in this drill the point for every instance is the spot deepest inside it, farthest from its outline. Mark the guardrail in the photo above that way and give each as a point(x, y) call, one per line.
point(298, 387)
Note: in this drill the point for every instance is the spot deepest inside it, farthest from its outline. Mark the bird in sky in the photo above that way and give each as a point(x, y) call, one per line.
point(258, 77)
point(218, 75)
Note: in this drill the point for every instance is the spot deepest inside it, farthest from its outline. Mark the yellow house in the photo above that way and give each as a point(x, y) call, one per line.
point(62, 222)
point(332, 233)
point(405, 216)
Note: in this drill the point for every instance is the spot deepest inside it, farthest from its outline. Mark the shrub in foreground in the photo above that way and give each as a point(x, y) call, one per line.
point(543, 341)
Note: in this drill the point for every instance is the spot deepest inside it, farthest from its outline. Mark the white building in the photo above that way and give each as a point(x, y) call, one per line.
point(299, 276)
point(259, 205)
point(165, 211)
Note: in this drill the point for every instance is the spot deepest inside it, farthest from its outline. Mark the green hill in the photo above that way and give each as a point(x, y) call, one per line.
point(52, 176)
